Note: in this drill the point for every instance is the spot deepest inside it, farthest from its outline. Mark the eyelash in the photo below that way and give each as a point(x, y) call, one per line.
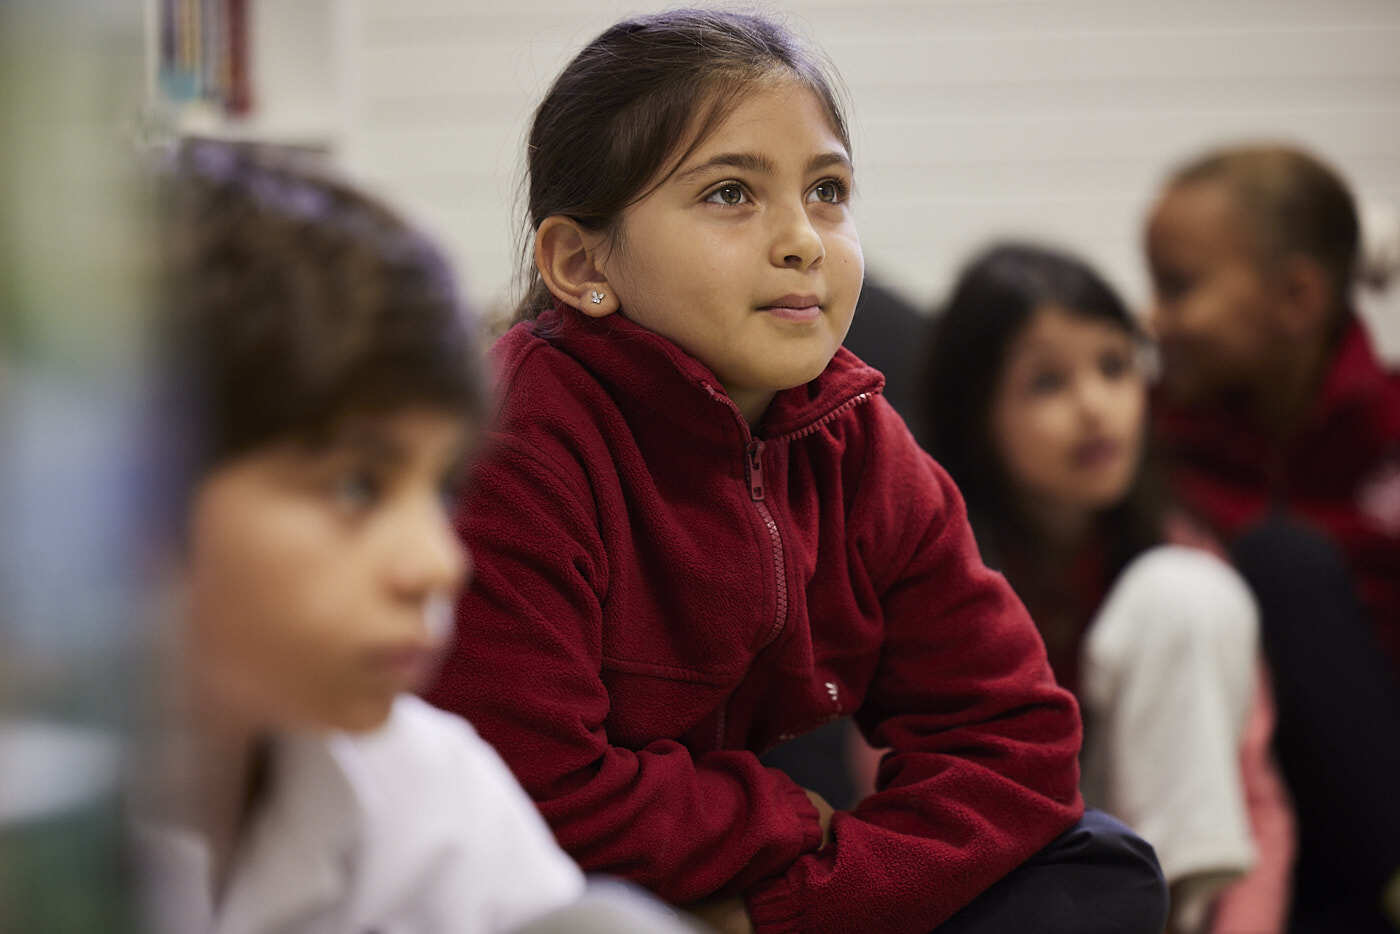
point(842, 192)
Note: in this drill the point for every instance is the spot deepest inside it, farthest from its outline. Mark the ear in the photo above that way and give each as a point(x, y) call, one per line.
point(567, 256)
point(1305, 292)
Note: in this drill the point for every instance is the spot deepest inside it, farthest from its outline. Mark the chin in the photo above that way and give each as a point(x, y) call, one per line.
point(366, 715)
point(805, 373)
point(1100, 493)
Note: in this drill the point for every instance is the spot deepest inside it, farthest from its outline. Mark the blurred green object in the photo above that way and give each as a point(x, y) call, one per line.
point(61, 832)
point(74, 264)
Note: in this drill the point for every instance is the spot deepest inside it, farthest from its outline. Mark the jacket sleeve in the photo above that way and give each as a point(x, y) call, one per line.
point(526, 670)
point(982, 770)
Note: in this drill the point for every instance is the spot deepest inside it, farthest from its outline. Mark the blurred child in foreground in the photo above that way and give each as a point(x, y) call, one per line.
point(328, 378)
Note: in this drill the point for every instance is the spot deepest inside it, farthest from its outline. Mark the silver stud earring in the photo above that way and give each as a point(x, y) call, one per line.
point(597, 297)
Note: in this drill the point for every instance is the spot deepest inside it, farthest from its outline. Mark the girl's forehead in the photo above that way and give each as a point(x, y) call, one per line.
point(746, 115)
point(1054, 326)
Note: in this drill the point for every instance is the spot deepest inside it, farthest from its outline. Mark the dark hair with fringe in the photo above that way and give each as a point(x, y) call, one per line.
point(640, 97)
point(292, 301)
point(993, 301)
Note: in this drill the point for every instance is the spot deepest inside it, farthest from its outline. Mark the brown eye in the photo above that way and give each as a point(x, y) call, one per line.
point(831, 191)
point(730, 195)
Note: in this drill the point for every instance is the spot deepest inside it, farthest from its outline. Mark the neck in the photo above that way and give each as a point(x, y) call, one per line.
point(1060, 529)
point(1285, 395)
point(209, 779)
point(752, 404)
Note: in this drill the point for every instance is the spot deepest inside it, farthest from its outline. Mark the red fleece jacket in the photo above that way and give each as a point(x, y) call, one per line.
point(1340, 471)
point(661, 594)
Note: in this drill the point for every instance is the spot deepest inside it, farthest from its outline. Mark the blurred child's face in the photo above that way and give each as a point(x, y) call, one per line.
point(1213, 307)
point(1068, 412)
point(747, 255)
point(321, 580)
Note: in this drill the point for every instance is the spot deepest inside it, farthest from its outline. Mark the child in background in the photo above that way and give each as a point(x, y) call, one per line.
point(701, 529)
point(1283, 432)
point(1273, 395)
point(332, 387)
point(1037, 405)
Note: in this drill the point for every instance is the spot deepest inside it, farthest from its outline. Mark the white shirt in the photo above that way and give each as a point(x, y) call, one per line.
point(416, 827)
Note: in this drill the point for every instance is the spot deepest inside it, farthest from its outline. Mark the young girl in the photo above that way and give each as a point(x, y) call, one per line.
point(1046, 440)
point(328, 376)
point(701, 529)
point(1282, 430)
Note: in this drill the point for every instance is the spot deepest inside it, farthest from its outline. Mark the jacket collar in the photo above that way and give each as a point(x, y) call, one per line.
point(650, 377)
point(1355, 376)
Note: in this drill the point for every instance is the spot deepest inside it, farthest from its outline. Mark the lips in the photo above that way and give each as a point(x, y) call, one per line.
point(409, 664)
point(794, 307)
point(1096, 452)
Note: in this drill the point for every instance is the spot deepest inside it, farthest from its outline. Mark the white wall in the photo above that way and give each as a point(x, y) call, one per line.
point(972, 118)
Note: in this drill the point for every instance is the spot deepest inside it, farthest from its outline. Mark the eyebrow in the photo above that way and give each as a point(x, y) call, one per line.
point(754, 162)
point(359, 438)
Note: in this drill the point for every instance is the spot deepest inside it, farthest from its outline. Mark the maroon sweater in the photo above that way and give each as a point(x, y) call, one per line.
point(1340, 472)
point(661, 594)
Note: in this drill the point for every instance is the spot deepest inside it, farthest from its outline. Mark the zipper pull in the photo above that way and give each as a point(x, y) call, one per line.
point(755, 471)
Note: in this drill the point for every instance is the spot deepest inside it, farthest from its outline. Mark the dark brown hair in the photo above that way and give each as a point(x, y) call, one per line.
point(294, 301)
point(620, 112)
point(1291, 202)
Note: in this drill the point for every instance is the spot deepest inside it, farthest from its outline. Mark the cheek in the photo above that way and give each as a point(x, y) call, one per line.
point(1233, 311)
point(1132, 409)
point(237, 604)
point(258, 601)
point(1029, 436)
point(843, 244)
point(849, 266)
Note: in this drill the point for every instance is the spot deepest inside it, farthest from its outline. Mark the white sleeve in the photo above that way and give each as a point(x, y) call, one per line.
point(1168, 675)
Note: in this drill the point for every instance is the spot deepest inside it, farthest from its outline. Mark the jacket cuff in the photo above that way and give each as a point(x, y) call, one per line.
point(774, 904)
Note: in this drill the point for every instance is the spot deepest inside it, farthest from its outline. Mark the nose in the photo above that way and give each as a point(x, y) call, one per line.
point(430, 559)
point(1092, 394)
point(796, 243)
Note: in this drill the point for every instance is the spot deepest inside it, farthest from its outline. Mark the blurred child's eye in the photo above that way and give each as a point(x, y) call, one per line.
point(1114, 364)
point(356, 489)
point(831, 191)
point(1046, 382)
point(1171, 285)
point(729, 194)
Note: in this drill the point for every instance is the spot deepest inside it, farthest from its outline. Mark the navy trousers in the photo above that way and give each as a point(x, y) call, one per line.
point(1338, 702)
point(1096, 878)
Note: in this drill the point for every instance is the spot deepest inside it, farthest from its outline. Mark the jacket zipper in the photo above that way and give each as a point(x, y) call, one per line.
point(813, 427)
point(753, 471)
point(755, 474)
